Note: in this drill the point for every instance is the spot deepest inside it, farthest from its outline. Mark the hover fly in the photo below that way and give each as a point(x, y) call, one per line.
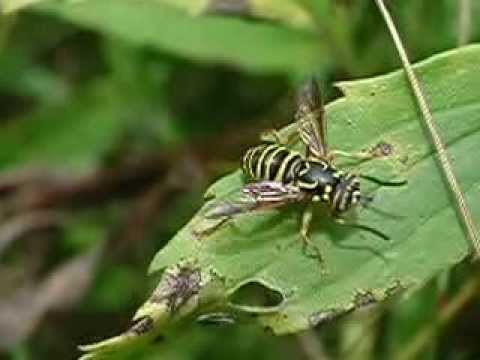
point(280, 176)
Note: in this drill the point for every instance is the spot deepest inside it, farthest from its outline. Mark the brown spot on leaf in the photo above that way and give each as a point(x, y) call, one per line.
point(142, 326)
point(178, 285)
point(364, 298)
point(394, 289)
point(382, 149)
point(322, 317)
point(369, 297)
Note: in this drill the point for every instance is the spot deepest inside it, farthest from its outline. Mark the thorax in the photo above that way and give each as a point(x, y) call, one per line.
point(318, 177)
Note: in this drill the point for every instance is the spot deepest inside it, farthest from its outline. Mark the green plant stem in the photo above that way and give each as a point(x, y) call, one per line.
point(368, 321)
point(464, 21)
point(448, 313)
point(443, 157)
point(6, 25)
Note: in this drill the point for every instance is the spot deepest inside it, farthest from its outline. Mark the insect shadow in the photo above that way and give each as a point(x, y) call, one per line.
point(262, 233)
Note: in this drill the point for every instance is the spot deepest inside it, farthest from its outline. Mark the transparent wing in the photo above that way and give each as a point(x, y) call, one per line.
point(260, 195)
point(310, 120)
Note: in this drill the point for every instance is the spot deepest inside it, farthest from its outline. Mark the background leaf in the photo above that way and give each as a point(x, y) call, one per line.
point(213, 39)
point(289, 12)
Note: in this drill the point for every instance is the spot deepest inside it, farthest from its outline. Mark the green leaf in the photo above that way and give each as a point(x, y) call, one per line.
point(425, 233)
point(289, 12)
point(249, 45)
point(264, 249)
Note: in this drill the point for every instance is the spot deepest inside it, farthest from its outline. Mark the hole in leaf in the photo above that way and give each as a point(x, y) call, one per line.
point(256, 294)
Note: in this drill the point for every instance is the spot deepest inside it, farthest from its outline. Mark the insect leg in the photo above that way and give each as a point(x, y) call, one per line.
point(275, 135)
point(307, 244)
point(375, 232)
point(383, 182)
point(382, 149)
point(357, 155)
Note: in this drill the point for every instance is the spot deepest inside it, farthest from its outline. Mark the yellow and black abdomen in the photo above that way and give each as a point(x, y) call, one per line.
point(273, 162)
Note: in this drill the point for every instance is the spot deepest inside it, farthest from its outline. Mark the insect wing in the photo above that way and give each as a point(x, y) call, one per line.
point(260, 195)
point(229, 209)
point(310, 120)
point(272, 192)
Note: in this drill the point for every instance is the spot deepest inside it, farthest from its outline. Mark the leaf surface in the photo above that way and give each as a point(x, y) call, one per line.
point(420, 219)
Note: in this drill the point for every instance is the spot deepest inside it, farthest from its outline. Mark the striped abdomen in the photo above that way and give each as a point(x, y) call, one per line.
point(272, 162)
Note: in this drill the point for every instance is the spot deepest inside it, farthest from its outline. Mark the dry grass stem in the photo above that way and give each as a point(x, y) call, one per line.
point(443, 157)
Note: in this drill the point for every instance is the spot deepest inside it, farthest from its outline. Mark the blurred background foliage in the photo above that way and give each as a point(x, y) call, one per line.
point(114, 117)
